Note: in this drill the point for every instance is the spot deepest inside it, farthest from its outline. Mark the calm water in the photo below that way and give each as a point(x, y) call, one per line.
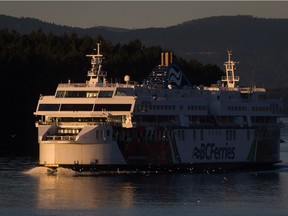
point(26, 190)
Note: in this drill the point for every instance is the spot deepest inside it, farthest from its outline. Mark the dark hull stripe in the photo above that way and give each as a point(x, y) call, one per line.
point(173, 168)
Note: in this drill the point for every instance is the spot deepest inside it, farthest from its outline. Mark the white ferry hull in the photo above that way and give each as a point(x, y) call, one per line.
point(79, 153)
point(179, 149)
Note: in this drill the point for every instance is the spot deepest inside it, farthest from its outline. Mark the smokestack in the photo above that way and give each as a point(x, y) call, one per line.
point(171, 57)
point(166, 59)
point(162, 59)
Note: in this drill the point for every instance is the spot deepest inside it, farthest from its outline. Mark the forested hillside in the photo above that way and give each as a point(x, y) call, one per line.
point(34, 64)
point(258, 44)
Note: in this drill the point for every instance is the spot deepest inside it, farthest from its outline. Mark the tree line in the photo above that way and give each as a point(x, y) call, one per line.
point(34, 64)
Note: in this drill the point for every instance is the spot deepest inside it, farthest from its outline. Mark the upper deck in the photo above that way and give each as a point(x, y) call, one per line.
point(165, 92)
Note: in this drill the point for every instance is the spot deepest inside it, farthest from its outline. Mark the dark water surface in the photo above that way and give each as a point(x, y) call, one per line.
point(26, 190)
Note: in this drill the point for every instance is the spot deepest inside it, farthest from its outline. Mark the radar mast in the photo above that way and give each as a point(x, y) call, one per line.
point(97, 76)
point(230, 79)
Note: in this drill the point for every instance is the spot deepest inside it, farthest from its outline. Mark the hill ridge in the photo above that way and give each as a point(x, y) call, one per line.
point(259, 44)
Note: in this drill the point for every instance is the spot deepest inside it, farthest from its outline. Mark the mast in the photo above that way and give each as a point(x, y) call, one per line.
point(97, 76)
point(230, 79)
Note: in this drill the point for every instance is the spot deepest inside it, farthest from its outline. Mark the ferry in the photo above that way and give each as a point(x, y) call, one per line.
point(164, 123)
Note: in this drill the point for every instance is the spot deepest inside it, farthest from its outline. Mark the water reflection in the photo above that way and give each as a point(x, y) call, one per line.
point(162, 190)
point(65, 191)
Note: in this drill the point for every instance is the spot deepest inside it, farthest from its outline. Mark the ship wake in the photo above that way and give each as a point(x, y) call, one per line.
point(51, 171)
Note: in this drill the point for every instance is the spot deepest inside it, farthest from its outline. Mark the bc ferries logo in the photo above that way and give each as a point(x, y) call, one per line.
point(208, 151)
point(175, 76)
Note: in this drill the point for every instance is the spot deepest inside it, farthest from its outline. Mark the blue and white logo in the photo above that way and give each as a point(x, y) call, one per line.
point(175, 77)
point(209, 151)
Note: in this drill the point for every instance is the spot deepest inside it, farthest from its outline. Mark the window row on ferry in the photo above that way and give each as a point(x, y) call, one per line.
point(84, 107)
point(273, 109)
point(86, 120)
point(170, 107)
point(257, 109)
point(166, 134)
point(84, 94)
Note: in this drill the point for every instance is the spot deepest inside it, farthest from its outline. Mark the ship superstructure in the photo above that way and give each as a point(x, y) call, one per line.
point(163, 123)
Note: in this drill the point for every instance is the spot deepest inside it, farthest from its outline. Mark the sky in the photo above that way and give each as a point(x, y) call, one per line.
point(137, 14)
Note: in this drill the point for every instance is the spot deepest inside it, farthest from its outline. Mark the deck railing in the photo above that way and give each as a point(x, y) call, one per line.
point(60, 138)
point(128, 85)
